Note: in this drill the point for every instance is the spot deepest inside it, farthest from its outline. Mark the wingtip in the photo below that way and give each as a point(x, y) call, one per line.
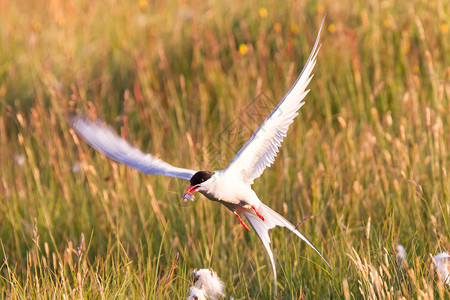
point(322, 23)
point(74, 119)
point(323, 20)
point(329, 266)
point(70, 117)
point(317, 44)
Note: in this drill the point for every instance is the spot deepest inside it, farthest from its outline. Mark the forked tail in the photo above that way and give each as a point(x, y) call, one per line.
point(273, 219)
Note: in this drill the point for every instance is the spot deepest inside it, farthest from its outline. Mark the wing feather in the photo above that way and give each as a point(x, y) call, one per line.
point(261, 149)
point(104, 139)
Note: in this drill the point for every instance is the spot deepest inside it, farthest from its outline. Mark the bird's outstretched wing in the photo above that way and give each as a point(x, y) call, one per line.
point(103, 139)
point(273, 219)
point(261, 149)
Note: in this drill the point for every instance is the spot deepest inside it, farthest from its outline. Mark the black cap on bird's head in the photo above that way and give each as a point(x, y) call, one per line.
point(196, 180)
point(201, 176)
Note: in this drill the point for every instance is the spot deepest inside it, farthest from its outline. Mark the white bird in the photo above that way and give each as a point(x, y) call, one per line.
point(208, 281)
point(231, 186)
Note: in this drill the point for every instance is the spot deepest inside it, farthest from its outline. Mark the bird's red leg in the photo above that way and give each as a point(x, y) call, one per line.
point(258, 214)
point(242, 222)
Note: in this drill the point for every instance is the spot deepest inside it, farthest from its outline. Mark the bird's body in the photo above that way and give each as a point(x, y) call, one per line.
point(229, 191)
point(231, 186)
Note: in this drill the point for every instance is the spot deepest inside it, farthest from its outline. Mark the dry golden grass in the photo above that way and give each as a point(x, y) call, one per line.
point(367, 156)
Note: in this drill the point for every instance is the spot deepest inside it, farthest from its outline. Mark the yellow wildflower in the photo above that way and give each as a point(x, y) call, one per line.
point(444, 28)
point(62, 21)
point(143, 4)
point(320, 9)
point(262, 12)
point(277, 27)
point(243, 49)
point(295, 30)
point(332, 28)
point(37, 26)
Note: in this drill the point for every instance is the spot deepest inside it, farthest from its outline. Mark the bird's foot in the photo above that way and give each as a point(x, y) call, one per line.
point(242, 222)
point(258, 214)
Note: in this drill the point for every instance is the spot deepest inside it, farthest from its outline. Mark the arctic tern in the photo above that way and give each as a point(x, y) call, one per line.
point(231, 186)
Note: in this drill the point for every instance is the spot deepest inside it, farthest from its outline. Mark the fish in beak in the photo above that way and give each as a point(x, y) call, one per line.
point(188, 195)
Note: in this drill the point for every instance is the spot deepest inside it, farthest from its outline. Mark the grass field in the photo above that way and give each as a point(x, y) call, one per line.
point(368, 156)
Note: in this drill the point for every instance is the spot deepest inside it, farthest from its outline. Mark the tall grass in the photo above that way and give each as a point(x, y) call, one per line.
point(367, 156)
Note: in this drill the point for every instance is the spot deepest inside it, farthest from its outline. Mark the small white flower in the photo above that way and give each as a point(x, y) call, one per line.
point(196, 294)
point(400, 254)
point(443, 266)
point(208, 281)
point(20, 160)
point(76, 167)
point(186, 14)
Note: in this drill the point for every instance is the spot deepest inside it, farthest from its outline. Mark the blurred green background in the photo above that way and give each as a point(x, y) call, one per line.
point(367, 156)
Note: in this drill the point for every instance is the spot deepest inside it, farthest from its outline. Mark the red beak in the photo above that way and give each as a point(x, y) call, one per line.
point(188, 195)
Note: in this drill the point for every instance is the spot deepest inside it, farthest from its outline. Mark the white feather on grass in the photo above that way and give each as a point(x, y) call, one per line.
point(196, 294)
point(443, 266)
point(209, 283)
point(400, 254)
